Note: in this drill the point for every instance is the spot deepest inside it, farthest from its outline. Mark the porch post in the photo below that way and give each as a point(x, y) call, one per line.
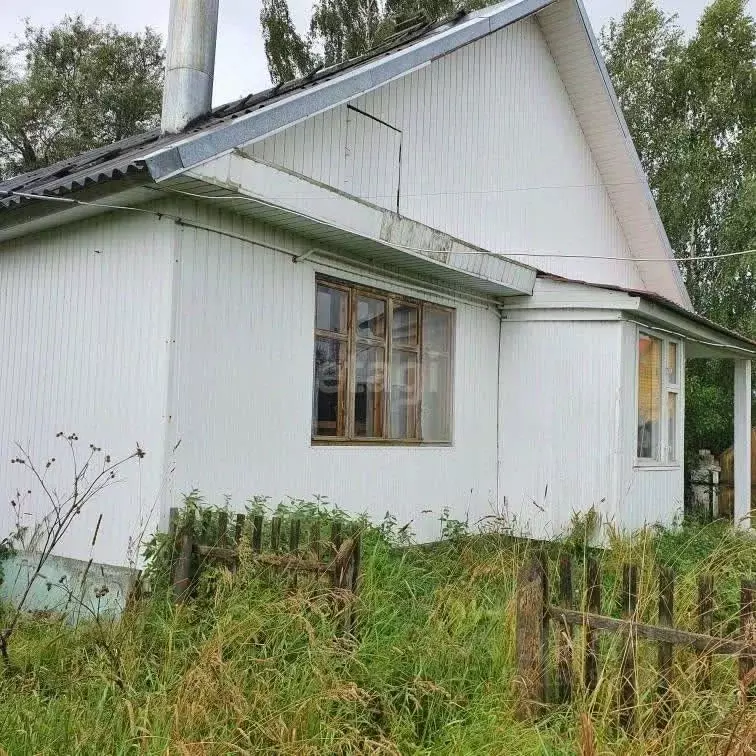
point(742, 443)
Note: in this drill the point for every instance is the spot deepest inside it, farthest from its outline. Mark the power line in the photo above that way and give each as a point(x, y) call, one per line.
point(259, 201)
point(518, 253)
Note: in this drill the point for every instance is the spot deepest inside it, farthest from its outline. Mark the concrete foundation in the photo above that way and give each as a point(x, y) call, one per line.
point(66, 586)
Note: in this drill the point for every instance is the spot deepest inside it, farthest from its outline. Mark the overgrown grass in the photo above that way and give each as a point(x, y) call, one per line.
point(254, 665)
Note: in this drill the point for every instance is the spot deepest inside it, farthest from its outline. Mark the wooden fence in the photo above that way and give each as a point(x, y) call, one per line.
point(535, 613)
point(286, 546)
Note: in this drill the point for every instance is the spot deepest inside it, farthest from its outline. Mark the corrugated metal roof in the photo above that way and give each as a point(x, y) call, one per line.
point(102, 164)
point(129, 156)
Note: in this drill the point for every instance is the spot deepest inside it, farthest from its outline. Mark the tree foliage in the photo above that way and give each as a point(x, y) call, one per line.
point(73, 87)
point(691, 109)
point(339, 30)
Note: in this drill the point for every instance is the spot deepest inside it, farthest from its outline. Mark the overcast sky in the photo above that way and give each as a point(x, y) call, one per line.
point(240, 62)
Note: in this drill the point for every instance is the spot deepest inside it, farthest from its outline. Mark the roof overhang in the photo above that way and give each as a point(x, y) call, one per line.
point(358, 230)
point(50, 211)
point(576, 52)
point(704, 338)
point(578, 57)
point(567, 299)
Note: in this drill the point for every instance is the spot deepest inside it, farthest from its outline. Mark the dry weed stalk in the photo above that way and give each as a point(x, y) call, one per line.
point(89, 480)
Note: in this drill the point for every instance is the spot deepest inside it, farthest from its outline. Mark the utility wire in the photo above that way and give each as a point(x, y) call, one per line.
point(260, 201)
point(518, 253)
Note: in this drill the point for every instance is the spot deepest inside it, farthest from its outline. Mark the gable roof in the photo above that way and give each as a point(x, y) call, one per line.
point(574, 49)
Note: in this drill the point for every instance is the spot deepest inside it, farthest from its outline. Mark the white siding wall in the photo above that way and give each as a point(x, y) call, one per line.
point(559, 415)
point(646, 494)
point(492, 153)
point(243, 383)
point(85, 310)
point(315, 148)
point(568, 428)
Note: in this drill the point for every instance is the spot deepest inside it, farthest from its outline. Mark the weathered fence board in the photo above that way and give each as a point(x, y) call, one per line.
point(705, 643)
point(705, 611)
point(564, 645)
point(534, 612)
point(747, 660)
point(338, 559)
point(531, 660)
point(627, 691)
point(666, 649)
point(593, 574)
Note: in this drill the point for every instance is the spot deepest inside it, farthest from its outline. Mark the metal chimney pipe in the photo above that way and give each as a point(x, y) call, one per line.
point(190, 62)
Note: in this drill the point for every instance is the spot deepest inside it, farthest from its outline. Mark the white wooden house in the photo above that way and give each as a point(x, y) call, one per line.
point(432, 278)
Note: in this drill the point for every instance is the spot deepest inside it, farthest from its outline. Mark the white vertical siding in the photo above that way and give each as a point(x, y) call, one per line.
point(568, 428)
point(603, 130)
point(373, 154)
point(559, 415)
point(244, 367)
point(315, 148)
point(646, 495)
point(492, 152)
point(86, 316)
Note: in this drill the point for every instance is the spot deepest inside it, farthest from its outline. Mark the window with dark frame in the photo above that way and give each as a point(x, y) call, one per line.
point(383, 367)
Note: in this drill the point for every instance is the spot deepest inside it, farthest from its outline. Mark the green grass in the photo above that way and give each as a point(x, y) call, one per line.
point(254, 666)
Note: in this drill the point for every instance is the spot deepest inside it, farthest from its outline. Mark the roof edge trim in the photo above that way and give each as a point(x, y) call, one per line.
point(202, 147)
point(633, 152)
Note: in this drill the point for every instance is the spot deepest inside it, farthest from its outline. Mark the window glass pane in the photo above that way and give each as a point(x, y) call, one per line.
point(404, 394)
point(330, 309)
point(672, 427)
point(371, 318)
point(329, 388)
point(649, 397)
point(404, 325)
point(436, 406)
point(672, 363)
point(436, 330)
point(368, 391)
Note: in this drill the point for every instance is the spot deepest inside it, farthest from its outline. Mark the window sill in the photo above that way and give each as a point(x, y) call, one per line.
point(652, 465)
point(378, 442)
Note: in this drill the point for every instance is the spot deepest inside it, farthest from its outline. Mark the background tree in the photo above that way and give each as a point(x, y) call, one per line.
point(74, 87)
point(691, 109)
point(289, 56)
point(339, 30)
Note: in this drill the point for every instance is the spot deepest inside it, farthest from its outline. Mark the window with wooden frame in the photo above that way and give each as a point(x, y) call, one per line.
point(658, 399)
point(383, 367)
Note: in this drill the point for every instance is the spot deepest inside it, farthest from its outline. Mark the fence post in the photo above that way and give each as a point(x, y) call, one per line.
point(666, 650)
point(627, 697)
point(747, 662)
point(182, 572)
point(239, 529)
point(275, 534)
point(530, 641)
point(257, 530)
point(222, 528)
point(593, 576)
point(705, 611)
point(315, 539)
point(564, 638)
